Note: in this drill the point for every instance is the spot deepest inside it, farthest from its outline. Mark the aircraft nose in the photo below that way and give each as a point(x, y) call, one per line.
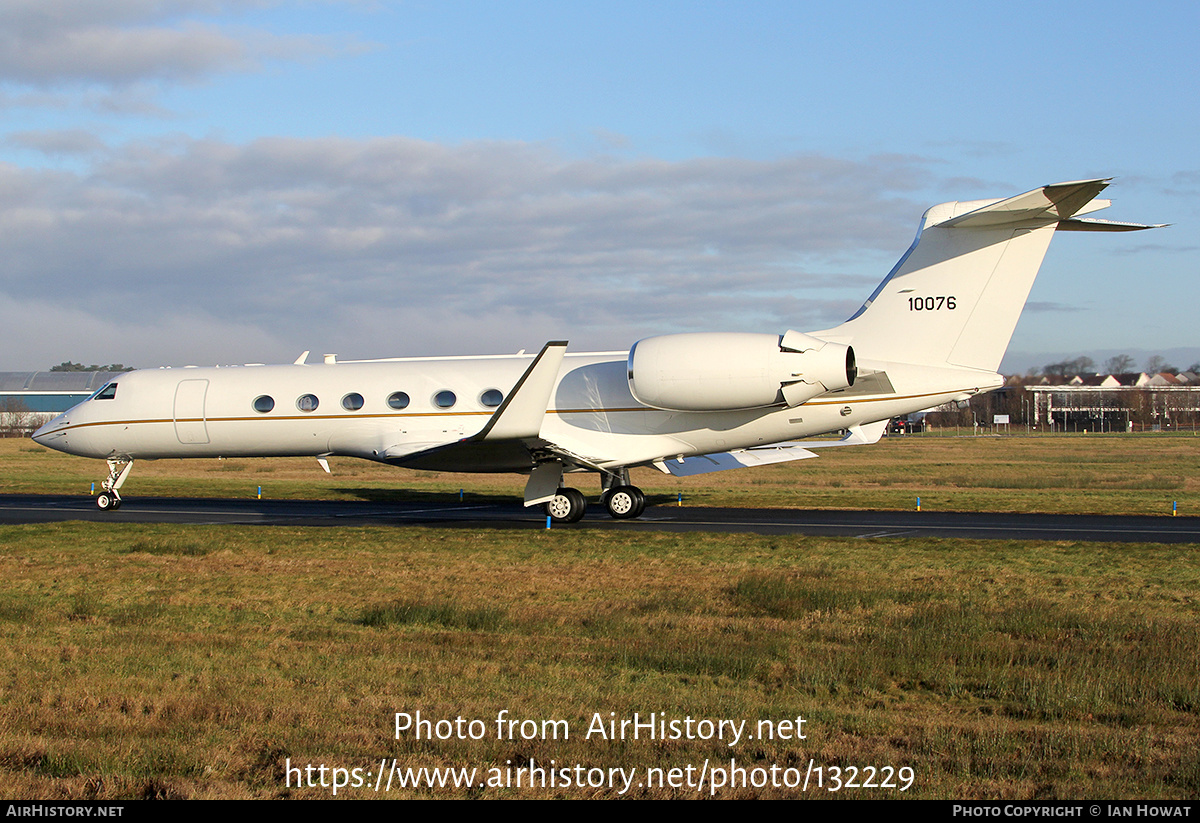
point(48, 433)
point(41, 432)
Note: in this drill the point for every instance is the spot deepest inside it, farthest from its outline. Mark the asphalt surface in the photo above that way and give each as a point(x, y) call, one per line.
point(510, 515)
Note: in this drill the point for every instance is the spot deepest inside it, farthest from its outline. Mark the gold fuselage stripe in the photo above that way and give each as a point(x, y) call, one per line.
point(376, 416)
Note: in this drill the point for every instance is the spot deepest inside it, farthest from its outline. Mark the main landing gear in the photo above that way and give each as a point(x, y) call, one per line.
point(620, 499)
point(109, 498)
point(624, 502)
point(567, 506)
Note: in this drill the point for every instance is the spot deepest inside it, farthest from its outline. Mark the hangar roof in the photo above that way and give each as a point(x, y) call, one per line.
point(68, 382)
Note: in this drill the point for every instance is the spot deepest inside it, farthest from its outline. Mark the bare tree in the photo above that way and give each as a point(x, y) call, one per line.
point(1067, 368)
point(1119, 364)
point(16, 418)
point(67, 365)
point(1158, 364)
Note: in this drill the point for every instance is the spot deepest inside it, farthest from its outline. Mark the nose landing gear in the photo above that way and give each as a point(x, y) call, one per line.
point(110, 498)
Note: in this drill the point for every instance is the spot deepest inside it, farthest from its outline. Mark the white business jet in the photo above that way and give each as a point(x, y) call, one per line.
point(933, 332)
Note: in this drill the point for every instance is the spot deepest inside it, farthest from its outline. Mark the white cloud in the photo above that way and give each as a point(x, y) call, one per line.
point(39, 333)
point(115, 56)
point(345, 243)
point(62, 142)
point(122, 44)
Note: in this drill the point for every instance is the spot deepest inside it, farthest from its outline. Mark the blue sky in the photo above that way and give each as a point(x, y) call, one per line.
point(204, 181)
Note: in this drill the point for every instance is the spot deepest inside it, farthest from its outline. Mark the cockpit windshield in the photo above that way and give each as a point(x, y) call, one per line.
point(108, 392)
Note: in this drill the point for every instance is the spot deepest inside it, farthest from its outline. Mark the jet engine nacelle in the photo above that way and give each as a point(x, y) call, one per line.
point(726, 372)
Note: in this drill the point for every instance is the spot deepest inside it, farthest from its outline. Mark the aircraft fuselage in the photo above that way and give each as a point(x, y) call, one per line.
point(934, 331)
point(211, 412)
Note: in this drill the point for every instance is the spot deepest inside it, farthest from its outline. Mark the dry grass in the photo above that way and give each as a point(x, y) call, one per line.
point(1100, 474)
point(159, 661)
point(172, 662)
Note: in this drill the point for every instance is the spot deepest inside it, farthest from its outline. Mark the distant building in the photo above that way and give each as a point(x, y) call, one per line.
point(28, 399)
point(51, 391)
point(1089, 402)
point(1117, 402)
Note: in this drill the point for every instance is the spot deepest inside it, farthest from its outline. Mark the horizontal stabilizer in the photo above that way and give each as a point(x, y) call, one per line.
point(1048, 204)
point(1092, 224)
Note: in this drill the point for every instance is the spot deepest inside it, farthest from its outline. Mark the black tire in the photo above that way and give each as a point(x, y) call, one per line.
point(567, 506)
point(106, 501)
point(625, 502)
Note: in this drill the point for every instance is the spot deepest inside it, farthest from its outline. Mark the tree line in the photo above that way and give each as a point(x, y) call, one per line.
point(1117, 364)
point(67, 365)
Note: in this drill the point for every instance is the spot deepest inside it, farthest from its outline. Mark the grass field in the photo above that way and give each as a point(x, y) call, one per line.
point(1101, 474)
point(157, 661)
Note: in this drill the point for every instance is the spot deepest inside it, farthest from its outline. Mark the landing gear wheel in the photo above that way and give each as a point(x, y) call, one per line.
point(109, 498)
point(567, 506)
point(625, 502)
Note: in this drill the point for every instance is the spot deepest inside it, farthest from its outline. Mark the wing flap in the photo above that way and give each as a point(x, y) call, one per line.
point(724, 461)
point(861, 435)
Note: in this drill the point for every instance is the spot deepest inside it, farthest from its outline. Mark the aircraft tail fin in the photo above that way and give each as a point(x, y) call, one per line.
point(957, 293)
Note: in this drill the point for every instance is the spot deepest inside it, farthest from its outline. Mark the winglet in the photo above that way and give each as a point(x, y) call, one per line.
point(523, 411)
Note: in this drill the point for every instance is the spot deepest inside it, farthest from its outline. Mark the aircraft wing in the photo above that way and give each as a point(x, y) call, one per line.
point(511, 440)
point(522, 413)
point(512, 436)
point(861, 435)
point(740, 459)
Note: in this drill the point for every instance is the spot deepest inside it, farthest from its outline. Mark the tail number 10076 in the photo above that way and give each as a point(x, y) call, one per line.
point(930, 303)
